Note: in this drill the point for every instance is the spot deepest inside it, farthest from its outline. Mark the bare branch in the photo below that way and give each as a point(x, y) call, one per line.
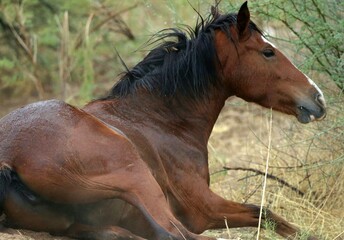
point(270, 176)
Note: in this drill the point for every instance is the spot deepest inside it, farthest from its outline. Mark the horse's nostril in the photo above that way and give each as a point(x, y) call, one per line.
point(319, 98)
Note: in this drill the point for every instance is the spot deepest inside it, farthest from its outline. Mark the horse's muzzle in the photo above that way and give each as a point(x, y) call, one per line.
point(312, 110)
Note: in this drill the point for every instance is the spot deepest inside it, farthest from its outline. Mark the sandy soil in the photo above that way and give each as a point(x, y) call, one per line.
point(14, 234)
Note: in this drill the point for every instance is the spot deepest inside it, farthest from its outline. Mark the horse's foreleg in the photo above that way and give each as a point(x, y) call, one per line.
point(214, 212)
point(245, 215)
point(142, 191)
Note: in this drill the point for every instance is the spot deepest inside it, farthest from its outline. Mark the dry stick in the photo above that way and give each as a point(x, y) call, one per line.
point(226, 223)
point(268, 175)
point(99, 25)
point(324, 202)
point(339, 236)
point(122, 26)
point(265, 176)
point(112, 17)
point(21, 43)
point(87, 28)
point(64, 54)
point(32, 56)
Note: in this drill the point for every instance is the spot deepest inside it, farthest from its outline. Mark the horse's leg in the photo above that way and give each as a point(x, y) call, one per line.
point(142, 191)
point(245, 215)
point(21, 212)
point(133, 183)
point(24, 209)
point(216, 211)
point(83, 231)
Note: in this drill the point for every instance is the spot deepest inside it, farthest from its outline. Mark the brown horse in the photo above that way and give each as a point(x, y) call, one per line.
point(134, 164)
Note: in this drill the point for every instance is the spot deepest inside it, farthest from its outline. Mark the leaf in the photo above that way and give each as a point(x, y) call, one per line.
point(6, 64)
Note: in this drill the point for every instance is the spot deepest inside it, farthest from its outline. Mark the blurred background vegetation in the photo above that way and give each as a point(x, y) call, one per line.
point(67, 50)
point(50, 47)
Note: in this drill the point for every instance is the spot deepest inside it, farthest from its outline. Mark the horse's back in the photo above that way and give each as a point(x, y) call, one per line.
point(44, 124)
point(52, 111)
point(34, 113)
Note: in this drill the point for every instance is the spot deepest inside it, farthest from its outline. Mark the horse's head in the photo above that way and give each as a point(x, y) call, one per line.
point(260, 73)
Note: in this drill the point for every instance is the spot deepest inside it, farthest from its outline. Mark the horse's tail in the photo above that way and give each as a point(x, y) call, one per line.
point(5, 182)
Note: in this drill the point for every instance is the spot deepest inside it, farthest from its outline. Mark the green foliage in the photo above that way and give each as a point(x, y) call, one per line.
point(66, 48)
point(32, 36)
point(6, 64)
point(43, 46)
point(318, 28)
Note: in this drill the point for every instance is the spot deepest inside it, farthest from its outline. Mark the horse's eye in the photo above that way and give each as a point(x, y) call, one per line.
point(268, 53)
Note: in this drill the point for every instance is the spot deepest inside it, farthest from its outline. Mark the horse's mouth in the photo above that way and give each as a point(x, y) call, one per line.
point(305, 115)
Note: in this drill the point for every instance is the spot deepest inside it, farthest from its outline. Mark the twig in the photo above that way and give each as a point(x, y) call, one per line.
point(248, 196)
point(112, 17)
point(22, 43)
point(339, 236)
point(64, 54)
point(178, 229)
point(226, 223)
point(80, 39)
point(37, 83)
point(270, 176)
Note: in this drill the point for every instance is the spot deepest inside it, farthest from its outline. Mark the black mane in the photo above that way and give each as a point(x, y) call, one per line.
point(186, 64)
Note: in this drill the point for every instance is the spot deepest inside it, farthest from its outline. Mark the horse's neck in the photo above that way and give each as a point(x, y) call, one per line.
point(194, 118)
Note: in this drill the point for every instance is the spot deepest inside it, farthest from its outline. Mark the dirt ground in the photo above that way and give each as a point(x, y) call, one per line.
point(14, 234)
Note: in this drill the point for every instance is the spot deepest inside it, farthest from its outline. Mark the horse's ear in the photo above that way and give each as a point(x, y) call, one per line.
point(215, 12)
point(243, 20)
